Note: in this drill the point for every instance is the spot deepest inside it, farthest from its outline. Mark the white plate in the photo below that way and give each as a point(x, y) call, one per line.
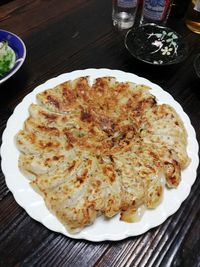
point(102, 229)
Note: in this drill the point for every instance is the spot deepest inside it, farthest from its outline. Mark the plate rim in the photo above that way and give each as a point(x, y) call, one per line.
point(84, 234)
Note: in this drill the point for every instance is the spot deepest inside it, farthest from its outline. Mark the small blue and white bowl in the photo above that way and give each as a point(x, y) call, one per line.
point(18, 47)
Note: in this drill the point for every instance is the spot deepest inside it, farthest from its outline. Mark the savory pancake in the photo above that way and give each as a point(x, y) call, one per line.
point(101, 149)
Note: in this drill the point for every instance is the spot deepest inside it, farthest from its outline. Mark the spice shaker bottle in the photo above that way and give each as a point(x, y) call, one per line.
point(155, 11)
point(123, 13)
point(193, 16)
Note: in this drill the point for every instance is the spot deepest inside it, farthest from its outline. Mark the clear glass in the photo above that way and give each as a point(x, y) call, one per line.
point(123, 13)
point(193, 16)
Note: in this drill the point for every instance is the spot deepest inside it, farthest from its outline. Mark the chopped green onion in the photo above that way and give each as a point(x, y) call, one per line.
point(7, 58)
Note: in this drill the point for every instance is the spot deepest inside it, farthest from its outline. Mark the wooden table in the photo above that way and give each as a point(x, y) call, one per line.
point(62, 36)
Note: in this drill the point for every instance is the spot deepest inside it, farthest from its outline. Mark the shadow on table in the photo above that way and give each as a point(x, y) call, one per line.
point(13, 87)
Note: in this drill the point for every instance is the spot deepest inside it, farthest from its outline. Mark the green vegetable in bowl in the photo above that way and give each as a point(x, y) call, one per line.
point(7, 58)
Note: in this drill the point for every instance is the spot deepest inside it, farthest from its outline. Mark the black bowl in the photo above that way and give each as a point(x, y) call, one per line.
point(156, 45)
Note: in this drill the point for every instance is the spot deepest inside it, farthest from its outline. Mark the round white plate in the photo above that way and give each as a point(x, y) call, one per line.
point(102, 229)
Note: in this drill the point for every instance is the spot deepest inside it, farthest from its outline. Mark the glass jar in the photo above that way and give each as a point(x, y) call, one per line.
point(193, 16)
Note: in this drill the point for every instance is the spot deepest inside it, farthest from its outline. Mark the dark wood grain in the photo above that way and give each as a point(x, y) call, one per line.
point(62, 36)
